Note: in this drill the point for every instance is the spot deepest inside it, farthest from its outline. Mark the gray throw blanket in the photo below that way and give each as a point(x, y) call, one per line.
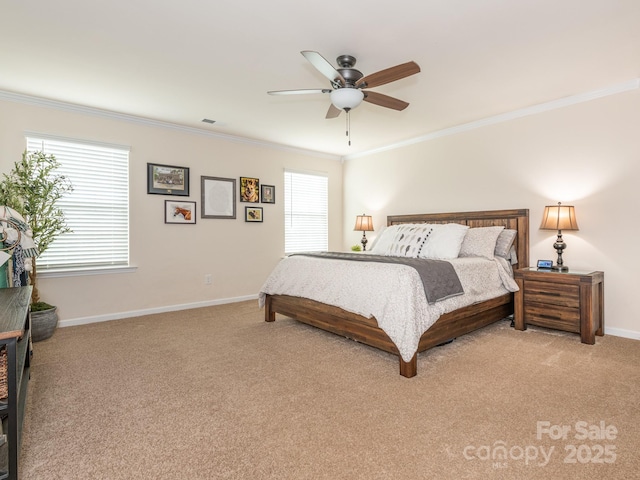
point(439, 278)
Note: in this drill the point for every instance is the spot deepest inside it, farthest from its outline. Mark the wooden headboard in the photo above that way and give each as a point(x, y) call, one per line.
point(515, 219)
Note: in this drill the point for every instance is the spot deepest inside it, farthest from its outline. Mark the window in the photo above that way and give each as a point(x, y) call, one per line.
point(97, 210)
point(305, 212)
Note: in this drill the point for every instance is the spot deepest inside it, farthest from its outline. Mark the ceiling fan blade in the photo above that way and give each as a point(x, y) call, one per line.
point(384, 100)
point(388, 75)
point(299, 92)
point(333, 111)
point(324, 67)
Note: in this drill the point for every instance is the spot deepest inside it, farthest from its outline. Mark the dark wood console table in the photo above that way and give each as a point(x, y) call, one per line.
point(15, 340)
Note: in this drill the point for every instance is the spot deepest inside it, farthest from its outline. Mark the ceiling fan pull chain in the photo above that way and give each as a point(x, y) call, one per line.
point(348, 124)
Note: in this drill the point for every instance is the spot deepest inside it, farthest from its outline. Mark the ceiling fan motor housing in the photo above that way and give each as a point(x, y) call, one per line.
point(350, 74)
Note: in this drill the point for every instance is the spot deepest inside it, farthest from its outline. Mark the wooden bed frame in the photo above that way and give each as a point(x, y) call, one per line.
point(447, 327)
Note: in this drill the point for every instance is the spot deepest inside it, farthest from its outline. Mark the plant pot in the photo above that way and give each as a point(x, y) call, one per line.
point(43, 324)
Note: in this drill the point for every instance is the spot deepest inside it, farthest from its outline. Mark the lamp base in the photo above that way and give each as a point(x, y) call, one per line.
point(364, 242)
point(559, 246)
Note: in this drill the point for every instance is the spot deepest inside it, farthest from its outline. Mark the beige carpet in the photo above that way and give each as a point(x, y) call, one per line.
point(217, 393)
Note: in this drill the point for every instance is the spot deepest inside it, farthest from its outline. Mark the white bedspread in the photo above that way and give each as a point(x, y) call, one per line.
point(393, 294)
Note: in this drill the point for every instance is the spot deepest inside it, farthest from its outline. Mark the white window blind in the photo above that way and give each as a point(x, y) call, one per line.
point(97, 210)
point(305, 212)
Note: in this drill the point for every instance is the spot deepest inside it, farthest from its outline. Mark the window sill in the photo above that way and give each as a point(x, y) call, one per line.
point(86, 271)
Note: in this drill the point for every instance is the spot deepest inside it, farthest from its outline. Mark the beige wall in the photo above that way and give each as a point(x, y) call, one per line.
point(172, 260)
point(586, 154)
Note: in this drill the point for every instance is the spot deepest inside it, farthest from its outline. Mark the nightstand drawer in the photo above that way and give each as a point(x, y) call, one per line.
point(562, 318)
point(552, 294)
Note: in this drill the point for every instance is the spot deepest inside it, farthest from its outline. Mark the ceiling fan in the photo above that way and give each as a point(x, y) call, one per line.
point(349, 86)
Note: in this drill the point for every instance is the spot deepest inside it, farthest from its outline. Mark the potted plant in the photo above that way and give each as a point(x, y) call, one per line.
point(33, 189)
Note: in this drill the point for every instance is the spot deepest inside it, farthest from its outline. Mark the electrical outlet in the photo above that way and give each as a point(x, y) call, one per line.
point(207, 279)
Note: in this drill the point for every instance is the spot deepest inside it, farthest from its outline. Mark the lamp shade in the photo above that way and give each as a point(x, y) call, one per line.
point(559, 217)
point(364, 223)
point(346, 98)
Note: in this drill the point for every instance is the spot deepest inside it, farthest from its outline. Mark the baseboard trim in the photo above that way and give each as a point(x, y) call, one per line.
point(621, 332)
point(617, 332)
point(149, 311)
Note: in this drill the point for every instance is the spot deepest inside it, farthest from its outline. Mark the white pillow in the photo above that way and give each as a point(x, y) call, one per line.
point(480, 242)
point(445, 241)
point(504, 243)
point(383, 240)
point(408, 240)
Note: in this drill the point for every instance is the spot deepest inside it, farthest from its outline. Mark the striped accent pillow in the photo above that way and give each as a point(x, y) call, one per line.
point(408, 240)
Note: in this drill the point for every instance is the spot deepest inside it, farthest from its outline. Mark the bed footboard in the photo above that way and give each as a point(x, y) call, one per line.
point(366, 330)
point(338, 321)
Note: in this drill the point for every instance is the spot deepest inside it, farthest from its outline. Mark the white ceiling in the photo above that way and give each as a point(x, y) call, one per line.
point(182, 61)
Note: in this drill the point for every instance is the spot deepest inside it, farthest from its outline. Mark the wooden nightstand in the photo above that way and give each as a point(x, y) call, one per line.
point(571, 301)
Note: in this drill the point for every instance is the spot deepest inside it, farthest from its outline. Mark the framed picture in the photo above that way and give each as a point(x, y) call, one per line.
point(249, 190)
point(268, 194)
point(179, 212)
point(218, 197)
point(167, 179)
point(252, 214)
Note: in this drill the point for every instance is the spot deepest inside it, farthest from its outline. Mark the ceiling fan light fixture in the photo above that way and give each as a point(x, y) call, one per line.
point(347, 98)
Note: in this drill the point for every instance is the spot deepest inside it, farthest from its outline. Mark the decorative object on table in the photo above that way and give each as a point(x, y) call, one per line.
point(364, 223)
point(4, 257)
point(167, 180)
point(356, 248)
point(253, 214)
point(268, 193)
point(559, 217)
point(249, 189)
point(545, 264)
point(32, 190)
point(16, 248)
point(218, 197)
point(179, 212)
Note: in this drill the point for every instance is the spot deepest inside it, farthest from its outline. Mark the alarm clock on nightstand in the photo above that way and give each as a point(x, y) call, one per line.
point(545, 264)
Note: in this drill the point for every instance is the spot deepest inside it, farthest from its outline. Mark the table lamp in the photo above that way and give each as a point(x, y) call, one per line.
point(364, 223)
point(559, 217)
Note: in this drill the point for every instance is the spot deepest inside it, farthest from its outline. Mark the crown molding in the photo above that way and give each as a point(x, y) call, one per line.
point(505, 117)
point(108, 114)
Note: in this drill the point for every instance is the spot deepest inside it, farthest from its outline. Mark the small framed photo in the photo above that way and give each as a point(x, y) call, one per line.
point(268, 194)
point(167, 179)
point(218, 197)
point(253, 214)
point(179, 212)
point(249, 189)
